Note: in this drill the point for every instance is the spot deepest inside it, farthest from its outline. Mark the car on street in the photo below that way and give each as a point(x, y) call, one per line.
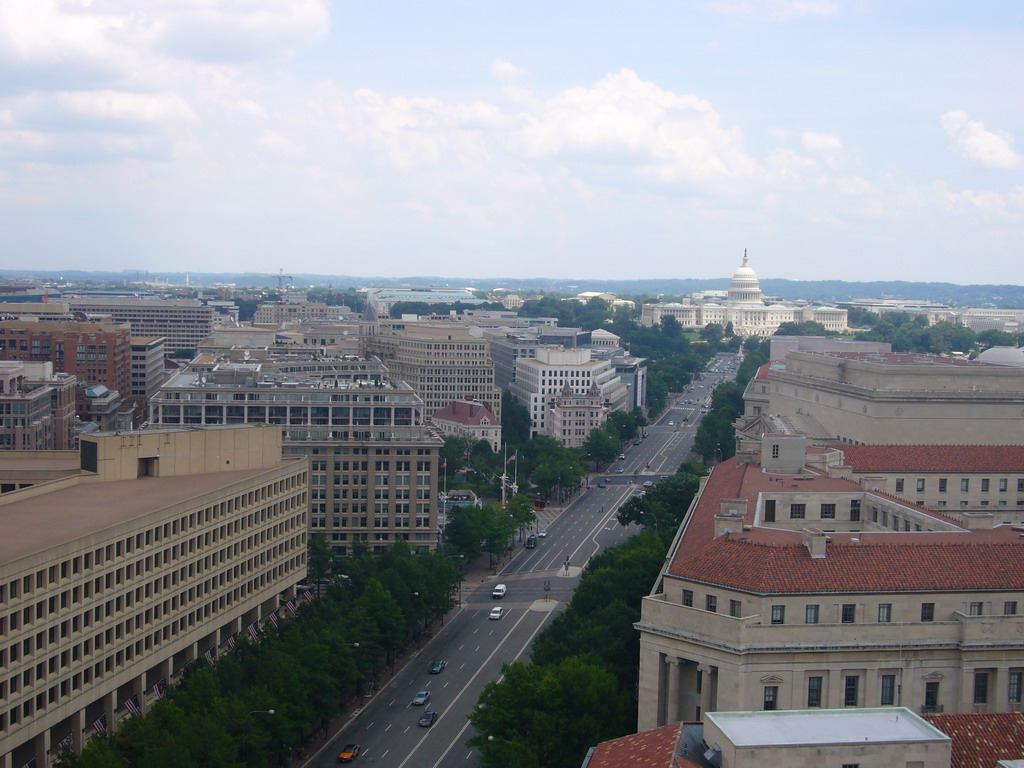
point(648, 483)
point(348, 753)
point(671, 423)
point(602, 484)
point(496, 613)
point(620, 470)
point(438, 666)
point(428, 719)
point(637, 441)
point(622, 456)
point(421, 698)
point(542, 534)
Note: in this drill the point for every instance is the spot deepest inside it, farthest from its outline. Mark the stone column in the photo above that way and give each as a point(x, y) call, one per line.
point(77, 728)
point(672, 703)
point(706, 688)
point(42, 747)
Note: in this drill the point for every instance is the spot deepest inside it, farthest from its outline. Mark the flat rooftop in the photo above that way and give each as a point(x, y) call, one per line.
point(810, 727)
point(40, 522)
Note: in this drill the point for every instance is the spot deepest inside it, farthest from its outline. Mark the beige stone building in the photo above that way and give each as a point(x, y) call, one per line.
point(573, 417)
point(885, 398)
point(470, 419)
point(789, 589)
point(442, 362)
point(115, 576)
point(183, 323)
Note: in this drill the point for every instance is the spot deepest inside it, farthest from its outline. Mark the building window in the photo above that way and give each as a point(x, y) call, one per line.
point(942, 485)
point(855, 510)
point(965, 485)
point(688, 597)
point(828, 511)
point(849, 613)
point(814, 691)
point(899, 485)
point(775, 450)
point(920, 485)
point(884, 613)
point(769, 511)
point(888, 697)
point(1002, 485)
point(851, 684)
point(975, 608)
point(1010, 608)
point(811, 614)
point(797, 511)
point(981, 687)
point(735, 608)
point(931, 697)
point(778, 614)
point(1016, 678)
point(984, 485)
point(927, 611)
point(711, 603)
point(771, 697)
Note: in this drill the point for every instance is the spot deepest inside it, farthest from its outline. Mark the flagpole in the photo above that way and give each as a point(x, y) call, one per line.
point(504, 473)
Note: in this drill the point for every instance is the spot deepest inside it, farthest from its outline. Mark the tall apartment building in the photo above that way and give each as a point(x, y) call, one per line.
point(541, 379)
point(37, 407)
point(147, 370)
point(789, 589)
point(885, 398)
point(115, 577)
point(183, 323)
point(442, 362)
point(374, 460)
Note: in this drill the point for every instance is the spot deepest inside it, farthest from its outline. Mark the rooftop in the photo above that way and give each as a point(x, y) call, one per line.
point(809, 727)
point(980, 740)
point(934, 458)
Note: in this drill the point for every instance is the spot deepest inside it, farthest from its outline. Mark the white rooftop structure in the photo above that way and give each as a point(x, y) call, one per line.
point(808, 727)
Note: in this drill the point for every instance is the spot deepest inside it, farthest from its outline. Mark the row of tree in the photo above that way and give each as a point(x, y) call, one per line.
point(306, 670)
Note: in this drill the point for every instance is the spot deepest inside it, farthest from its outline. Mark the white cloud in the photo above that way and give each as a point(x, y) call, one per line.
point(775, 10)
point(993, 149)
point(506, 72)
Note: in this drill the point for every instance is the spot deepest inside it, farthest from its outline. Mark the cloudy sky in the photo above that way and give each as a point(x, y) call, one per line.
point(869, 139)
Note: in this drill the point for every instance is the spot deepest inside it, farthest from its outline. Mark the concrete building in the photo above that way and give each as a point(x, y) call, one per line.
point(147, 371)
point(279, 314)
point(573, 417)
point(745, 308)
point(184, 323)
point(780, 346)
point(442, 362)
point(541, 379)
point(116, 576)
point(789, 589)
point(380, 300)
point(470, 419)
point(374, 461)
point(37, 407)
point(853, 397)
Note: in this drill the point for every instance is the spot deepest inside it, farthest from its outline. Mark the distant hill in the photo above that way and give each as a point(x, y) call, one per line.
point(814, 290)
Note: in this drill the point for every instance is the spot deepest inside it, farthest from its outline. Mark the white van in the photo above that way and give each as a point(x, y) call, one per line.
point(499, 592)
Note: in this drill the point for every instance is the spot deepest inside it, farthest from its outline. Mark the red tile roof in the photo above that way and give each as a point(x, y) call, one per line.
point(980, 741)
point(934, 458)
point(468, 412)
point(650, 749)
point(775, 561)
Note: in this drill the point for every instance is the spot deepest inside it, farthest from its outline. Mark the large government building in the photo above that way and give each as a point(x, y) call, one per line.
point(744, 306)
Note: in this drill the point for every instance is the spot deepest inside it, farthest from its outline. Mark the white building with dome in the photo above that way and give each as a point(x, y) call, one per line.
point(744, 307)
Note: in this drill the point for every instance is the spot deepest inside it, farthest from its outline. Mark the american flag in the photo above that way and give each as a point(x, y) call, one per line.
point(132, 705)
point(273, 618)
point(254, 630)
point(100, 726)
point(308, 596)
point(66, 743)
point(211, 655)
point(30, 764)
point(232, 642)
point(290, 605)
point(160, 687)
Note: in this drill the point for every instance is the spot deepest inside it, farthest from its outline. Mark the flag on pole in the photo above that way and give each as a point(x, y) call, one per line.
point(100, 725)
point(511, 459)
point(290, 605)
point(30, 764)
point(273, 618)
point(232, 643)
point(160, 687)
point(308, 595)
point(211, 655)
point(444, 463)
point(66, 743)
point(254, 630)
point(132, 705)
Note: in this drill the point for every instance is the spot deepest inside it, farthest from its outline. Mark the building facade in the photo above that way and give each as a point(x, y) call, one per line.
point(374, 460)
point(470, 419)
point(573, 417)
point(183, 323)
point(788, 589)
point(37, 407)
point(147, 371)
point(161, 546)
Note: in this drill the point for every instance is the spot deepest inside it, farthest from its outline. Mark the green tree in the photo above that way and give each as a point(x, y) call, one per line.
point(515, 420)
point(712, 333)
point(319, 558)
point(601, 446)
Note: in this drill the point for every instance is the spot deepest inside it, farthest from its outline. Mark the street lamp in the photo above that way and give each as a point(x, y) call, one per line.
point(262, 712)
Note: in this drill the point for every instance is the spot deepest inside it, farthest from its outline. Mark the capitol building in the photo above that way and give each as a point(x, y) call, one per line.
point(745, 307)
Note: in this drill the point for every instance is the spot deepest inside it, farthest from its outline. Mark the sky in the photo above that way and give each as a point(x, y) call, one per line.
point(833, 139)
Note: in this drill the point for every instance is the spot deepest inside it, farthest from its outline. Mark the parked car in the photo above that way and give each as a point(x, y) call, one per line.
point(437, 667)
point(496, 613)
point(428, 719)
point(421, 698)
point(348, 753)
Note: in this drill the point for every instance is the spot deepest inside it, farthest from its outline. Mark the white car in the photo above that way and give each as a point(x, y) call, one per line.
point(542, 534)
point(671, 423)
point(496, 613)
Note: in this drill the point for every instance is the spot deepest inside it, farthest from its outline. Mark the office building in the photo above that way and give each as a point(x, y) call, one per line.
point(147, 371)
point(573, 417)
point(183, 323)
point(115, 577)
point(37, 407)
point(380, 300)
point(471, 420)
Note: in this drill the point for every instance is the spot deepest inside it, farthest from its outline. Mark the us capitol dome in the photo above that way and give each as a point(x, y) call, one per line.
point(745, 307)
